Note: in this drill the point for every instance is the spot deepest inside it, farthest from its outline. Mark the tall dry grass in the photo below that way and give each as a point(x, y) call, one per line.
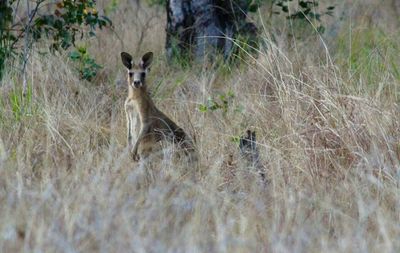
point(328, 132)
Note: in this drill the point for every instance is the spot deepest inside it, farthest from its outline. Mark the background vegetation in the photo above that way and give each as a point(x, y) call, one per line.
point(325, 109)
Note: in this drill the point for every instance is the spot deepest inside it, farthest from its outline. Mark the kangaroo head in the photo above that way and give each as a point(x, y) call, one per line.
point(137, 72)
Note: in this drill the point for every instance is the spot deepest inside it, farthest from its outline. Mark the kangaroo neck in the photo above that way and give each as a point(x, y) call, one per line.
point(144, 103)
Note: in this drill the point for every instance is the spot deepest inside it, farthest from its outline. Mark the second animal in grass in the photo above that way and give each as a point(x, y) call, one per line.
point(155, 126)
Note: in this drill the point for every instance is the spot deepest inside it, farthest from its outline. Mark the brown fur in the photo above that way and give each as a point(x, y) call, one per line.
point(155, 126)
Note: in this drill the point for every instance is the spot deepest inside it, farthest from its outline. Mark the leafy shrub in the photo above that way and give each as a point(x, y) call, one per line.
point(304, 11)
point(222, 102)
point(86, 65)
point(66, 22)
point(71, 19)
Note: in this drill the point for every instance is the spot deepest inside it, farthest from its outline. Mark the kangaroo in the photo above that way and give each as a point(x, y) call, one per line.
point(154, 126)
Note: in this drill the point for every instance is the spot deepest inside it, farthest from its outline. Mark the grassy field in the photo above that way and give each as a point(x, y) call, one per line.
point(327, 116)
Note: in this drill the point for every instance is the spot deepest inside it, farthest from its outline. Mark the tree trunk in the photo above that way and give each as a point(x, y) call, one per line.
point(197, 28)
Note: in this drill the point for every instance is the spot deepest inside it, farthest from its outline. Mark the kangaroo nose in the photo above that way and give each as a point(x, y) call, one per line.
point(136, 83)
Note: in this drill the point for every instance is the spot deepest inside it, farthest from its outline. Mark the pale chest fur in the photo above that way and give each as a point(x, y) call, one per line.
point(132, 115)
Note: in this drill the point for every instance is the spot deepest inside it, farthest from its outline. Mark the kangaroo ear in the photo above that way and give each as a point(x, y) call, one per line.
point(127, 60)
point(146, 60)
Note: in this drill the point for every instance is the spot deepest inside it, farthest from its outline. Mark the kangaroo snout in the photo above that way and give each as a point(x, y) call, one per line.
point(137, 83)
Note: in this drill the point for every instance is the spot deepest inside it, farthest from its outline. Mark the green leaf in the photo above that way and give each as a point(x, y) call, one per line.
point(253, 8)
point(107, 20)
point(74, 55)
point(329, 13)
point(203, 108)
point(315, 15)
point(82, 50)
point(235, 139)
point(303, 4)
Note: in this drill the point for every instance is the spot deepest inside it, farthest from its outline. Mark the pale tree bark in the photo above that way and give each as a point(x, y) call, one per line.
point(196, 28)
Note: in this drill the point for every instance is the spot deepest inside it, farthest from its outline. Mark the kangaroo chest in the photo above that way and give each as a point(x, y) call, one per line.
point(153, 122)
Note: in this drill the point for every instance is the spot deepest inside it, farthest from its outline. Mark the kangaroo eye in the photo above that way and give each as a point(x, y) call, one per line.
point(130, 74)
point(142, 75)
